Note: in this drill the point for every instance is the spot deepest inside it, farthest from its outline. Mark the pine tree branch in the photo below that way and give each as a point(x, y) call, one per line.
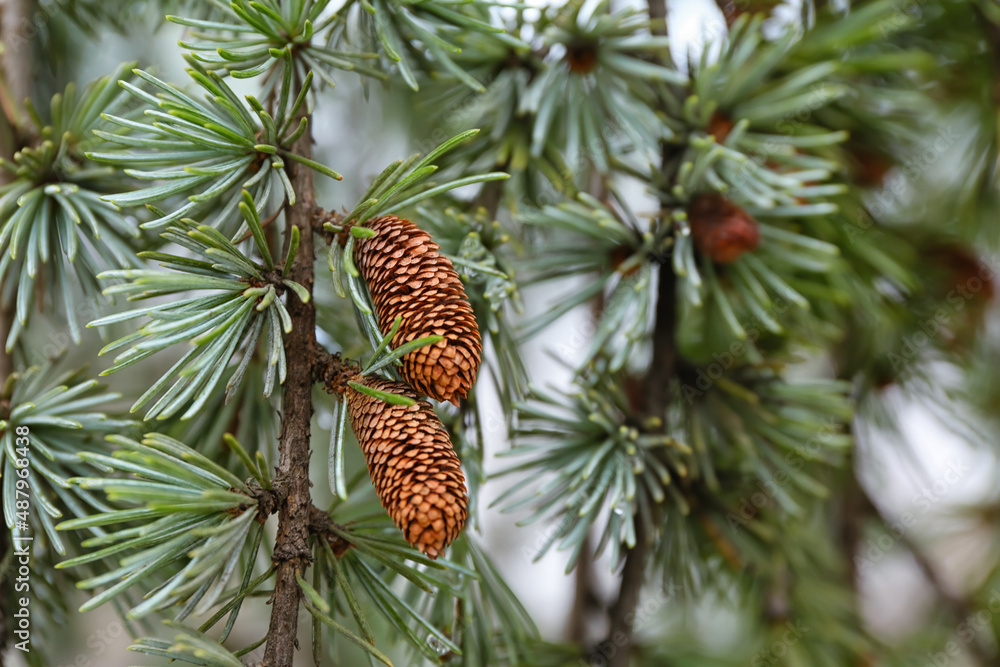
point(854, 508)
point(586, 598)
point(586, 601)
point(658, 15)
point(622, 612)
point(656, 383)
point(654, 403)
point(656, 396)
point(291, 551)
point(961, 607)
point(490, 196)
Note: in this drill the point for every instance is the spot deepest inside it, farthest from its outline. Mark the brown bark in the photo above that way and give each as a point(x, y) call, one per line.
point(654, 403)
point(961, 606)
point(656, 396)
point(291, 552)
point(585, 598)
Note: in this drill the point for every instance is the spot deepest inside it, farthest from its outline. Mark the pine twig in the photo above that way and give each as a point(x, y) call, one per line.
point(585, 598)
point(961, 607)
point(855, 509)
point(655, 401)
point(291, 552)
point(658, 15)
point(656, 396)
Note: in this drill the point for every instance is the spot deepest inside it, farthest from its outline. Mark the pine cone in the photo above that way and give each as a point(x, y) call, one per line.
point(412, 464)
point(408, 277)
point(721, 230)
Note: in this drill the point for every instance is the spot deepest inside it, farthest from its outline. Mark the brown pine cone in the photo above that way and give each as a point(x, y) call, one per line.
point(412, 464)
point(721, 230)
point(408, 277)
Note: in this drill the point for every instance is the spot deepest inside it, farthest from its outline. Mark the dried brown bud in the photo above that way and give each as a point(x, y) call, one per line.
point(412, 464)
point(955, 270)
point(581, 56)
point(734, 9)
point(869, 167)
point(722, 231)
point(719, 126)
point(408, 277)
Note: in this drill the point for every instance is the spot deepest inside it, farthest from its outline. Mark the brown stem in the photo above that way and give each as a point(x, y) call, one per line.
point(291, 550)
point(654, 402)
point(655, 398)
point(961, 607)
point(733, 9)
point(730, 10)
point(722, 544)
point(656, 384)
point(658, 16)
point(622, 612)
point(490, 197)
point(855, 509)
point(585, 598)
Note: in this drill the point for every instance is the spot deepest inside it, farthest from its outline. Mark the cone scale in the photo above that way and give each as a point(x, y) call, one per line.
point(412, 465)
point(408, 277)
